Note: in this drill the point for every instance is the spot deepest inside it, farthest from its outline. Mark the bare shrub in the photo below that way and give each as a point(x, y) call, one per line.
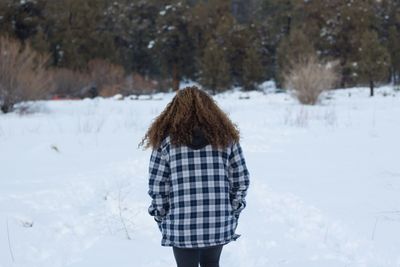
point(298, 119)
point(30, 107)
point(138, 85)
point(111, 90)
point(302, 118)
point(69, 83)
point(105, 75)
point(23, 74)
point(330, 117)
point(307, 78)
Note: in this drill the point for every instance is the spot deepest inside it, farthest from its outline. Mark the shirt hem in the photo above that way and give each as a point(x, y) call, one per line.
point(223, 242)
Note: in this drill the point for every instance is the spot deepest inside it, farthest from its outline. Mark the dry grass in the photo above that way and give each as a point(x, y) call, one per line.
point(308, 78)
point(23, 74)
point(106, 77)
point(111, 90)
point(69, 83)
point(134, 84)
point(138, 84)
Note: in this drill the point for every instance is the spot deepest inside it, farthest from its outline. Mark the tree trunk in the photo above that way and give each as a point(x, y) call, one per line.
point(213, 87)
point(342, 75)
point(289, 24)
point(392, 76)
point(6, 107)
point(175, 77)
point(371, 87)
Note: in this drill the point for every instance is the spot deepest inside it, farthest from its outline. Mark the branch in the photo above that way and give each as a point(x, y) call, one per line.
point(9, 242)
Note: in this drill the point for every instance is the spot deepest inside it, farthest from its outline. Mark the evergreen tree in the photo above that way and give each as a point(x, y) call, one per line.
point(170, 37)
point(21, 19)
point(316, 19)
point(133, 27)
point(5, 25)
point(374, 60)
point(244, 10)
point(278, 17)
point(173, 43)
point(77, 33)
point(394, 50)
point(253, 70)
point(215, 70)
point(205, 18)
point(388, 12)
point(349, 21)
point(211, 22)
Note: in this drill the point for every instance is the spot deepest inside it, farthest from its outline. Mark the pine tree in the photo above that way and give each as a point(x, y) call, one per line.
point(394, 50)
point(284, 20)
point(133, 27)
point(252, 68)
point(278, 17)
point(77, 34)
point(215, 70)
point(21, 19)
point(349, 21)
point(374, 60)
point(244, 10)
point(205, 18)
point(5, 14)
point(389, 16)
point(173, 42)
point(212, 22)
point(316, 19)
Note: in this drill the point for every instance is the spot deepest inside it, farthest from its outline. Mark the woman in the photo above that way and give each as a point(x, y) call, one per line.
point(198, 178)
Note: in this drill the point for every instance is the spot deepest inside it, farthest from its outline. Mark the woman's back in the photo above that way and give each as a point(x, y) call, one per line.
point(202, 184)
point(197, 177)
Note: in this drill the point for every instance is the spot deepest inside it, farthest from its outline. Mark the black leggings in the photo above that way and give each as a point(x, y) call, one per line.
point(191, 257)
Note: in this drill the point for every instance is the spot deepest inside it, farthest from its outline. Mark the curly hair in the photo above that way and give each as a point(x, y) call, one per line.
point(191, 108)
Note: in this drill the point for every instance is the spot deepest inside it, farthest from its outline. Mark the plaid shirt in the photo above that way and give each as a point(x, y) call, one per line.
point(197, 195)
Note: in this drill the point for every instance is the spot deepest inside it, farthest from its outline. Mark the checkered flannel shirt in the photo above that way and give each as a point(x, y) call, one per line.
point(197, 195)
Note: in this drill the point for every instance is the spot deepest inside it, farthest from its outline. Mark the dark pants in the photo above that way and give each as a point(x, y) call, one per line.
point(191, 257)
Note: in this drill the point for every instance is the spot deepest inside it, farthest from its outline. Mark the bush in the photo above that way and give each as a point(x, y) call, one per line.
point(139, 85)
point(291, 49)
point(23, 74)
point(102, 78)
point(69, 83)
point(307, 78)
point(105, 77)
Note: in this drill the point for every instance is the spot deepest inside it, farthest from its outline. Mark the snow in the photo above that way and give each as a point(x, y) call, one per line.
point(151, 44)
point(118, 97)
point(325, 182)
point(268, 87)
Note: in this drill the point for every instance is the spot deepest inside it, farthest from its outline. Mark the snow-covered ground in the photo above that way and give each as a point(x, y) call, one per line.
point(325, 183)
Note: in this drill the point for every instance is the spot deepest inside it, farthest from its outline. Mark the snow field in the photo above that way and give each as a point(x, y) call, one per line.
point(324, 185)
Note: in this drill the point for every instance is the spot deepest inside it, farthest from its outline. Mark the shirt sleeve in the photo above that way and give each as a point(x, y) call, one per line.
point(239, 179)
point(159, 184)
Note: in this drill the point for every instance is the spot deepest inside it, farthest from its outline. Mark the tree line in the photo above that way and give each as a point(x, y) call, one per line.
point(218, 43)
